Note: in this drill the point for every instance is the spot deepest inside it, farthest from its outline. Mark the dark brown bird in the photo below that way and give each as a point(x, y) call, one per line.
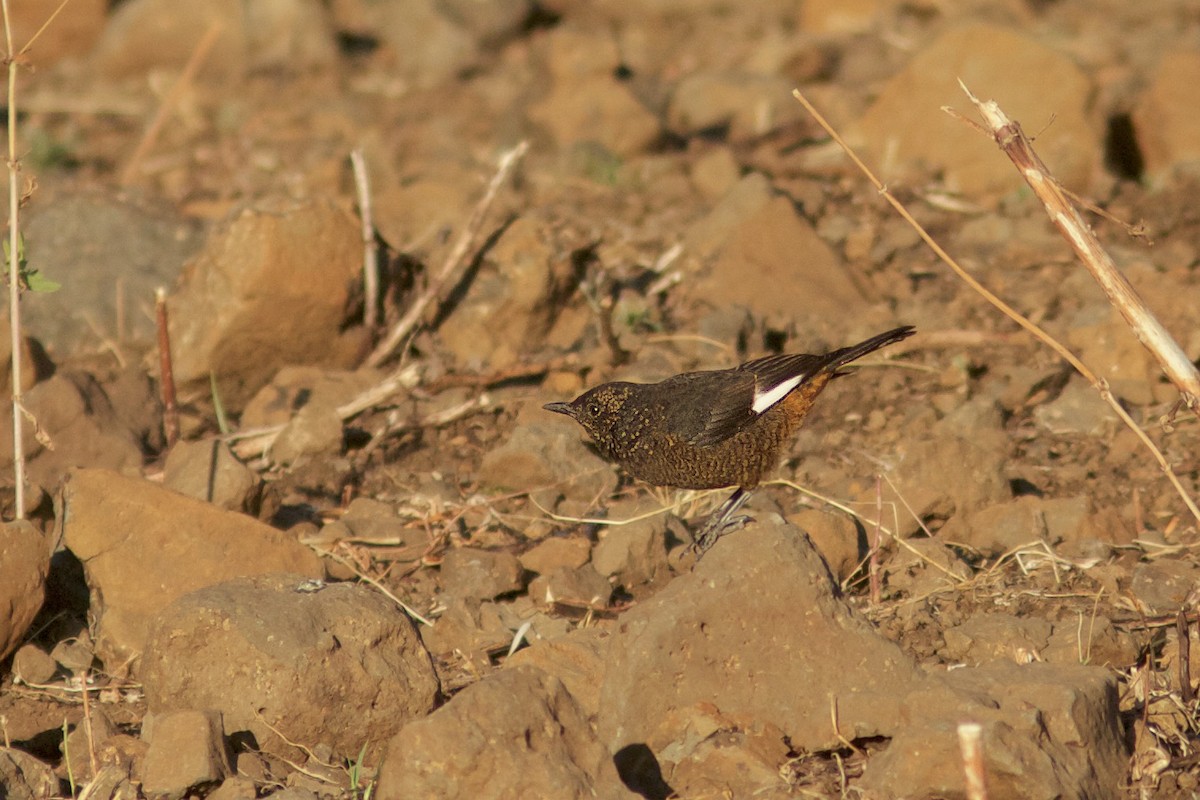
point(706, 430)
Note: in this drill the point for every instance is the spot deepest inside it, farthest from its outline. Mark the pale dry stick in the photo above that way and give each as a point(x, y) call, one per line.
point(1098, 383)
point(14, 271)
point(87, 725)
point(194, 62)
point(370, 251)
point(408, 323)
point(970, 742)
point(1146, 327)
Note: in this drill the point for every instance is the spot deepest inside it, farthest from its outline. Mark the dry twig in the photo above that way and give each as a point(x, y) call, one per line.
point(370, 251)
point(408, 323)
point(1100, 384)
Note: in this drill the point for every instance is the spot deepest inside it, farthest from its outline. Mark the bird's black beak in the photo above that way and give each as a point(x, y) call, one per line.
point(560, 408)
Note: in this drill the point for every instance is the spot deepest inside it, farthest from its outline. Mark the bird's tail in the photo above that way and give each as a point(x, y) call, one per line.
point(839, 358)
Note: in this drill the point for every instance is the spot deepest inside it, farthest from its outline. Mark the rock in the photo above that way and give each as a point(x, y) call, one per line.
point(578, 659)
point(757, 268)
point(23, 777)
point(939, 477)
point(143, 546)
point(87, 738)
point(294, 387)
point(315, 430)
point(714, 173)
point(745, 106)
point(76, 655)
point(837, 537)
point(1091, 639)
point(31, 664)
point(633, 552)
point(106, 250)
point(517, 733)
point(36, 365)
point(1163, 585)
point(760, 603)
point(471, 628)
point(24, 565)
point(474, 574)
point(1002, 527)
point(427, 41)
point(270, 288)
point(74, 412)
point(545, 453)
point(1165, 120)
point(187, 752)
point(513, 300)
point(586, 102)
point(997, 637)
point(1078, 411)
point(1110, 348)
point(262, 651)
point(208, 470)
point(744, 199)
point(1049, 731)
point(559, 551)
point(906, 134)
point(923, 566)
point(265, 35)
point(235, 788)
point(581, 587)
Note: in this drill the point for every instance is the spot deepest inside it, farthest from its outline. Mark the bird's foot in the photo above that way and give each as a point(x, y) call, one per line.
point(717, 526)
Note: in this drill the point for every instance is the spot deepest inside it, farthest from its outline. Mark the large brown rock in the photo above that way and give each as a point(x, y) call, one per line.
point(143, 546)
point(517, 733)
point(339, 664)
point(757, 618)
point(24, 564)
point(1167, 115)
point(909, 138)
point(271, 288)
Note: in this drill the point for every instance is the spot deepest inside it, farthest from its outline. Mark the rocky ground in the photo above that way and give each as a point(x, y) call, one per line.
point(372, 565)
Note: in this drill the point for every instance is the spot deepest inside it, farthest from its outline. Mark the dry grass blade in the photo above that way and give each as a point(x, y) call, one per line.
point(408, 323)
point(1146, 327)
point(1026, 323)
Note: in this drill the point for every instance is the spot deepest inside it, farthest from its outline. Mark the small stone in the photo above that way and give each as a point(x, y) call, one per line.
point(560, 551)
point(23, 777)
point(996, 636)
point(582, 587)
point(208, 470)
point(1165, 119)
point(1078, 411)
point(187, 751)
point(33, 665)
point(1002, 527)
point(837, 537)
point(633, 552)
point(474, 574)
point(24, 565)
point(516, 733)
point(1163, 585)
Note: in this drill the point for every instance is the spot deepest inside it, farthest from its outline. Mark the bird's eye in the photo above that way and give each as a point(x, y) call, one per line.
point(593, 409)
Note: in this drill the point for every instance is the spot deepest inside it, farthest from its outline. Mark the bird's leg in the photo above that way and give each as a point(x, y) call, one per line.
point(721, 522)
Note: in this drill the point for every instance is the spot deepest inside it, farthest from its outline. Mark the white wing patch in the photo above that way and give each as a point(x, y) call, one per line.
point(764, 400)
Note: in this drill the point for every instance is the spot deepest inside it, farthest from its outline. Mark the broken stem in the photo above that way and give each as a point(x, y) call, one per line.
point(370, 251)
point(408, 323)
point(166, 371)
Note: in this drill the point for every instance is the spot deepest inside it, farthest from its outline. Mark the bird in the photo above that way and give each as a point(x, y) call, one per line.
point(714, 428)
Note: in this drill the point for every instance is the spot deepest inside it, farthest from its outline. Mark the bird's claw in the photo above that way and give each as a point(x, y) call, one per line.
point(714, 529)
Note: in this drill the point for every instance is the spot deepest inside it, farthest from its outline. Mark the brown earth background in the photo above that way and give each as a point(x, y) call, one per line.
point(369, 571)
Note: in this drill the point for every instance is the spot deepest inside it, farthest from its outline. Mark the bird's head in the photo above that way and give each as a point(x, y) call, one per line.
point(597, 410)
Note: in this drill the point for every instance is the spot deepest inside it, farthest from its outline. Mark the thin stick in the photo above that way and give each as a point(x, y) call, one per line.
point(873, 564)
point(166, 372)
point(1100, 385)
point(194, 62)
point(14, 271)
point(1185, 657)
point(87, 725)
point(406, 324)
point(370, 251)
point(1146, 327)
point(970, 743)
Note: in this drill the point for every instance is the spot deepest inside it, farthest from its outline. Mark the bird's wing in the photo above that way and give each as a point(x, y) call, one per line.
point(722, 403)
point(704, 408)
